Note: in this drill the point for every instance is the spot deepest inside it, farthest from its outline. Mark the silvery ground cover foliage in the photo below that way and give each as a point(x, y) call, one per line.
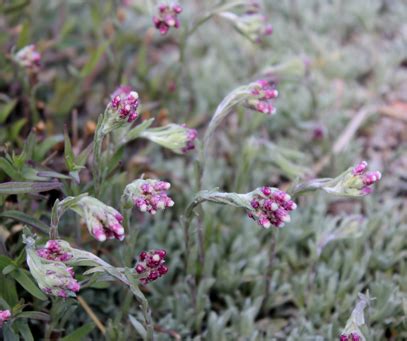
point(203, 170)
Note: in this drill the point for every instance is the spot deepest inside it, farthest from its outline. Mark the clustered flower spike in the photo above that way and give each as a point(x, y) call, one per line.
point(54, 251)
point(147, 195)
point(124, 103)
point(53, 277)
point(4, 316)
point(262, 93)
point(151, 265)
point(350, 337)
point(271, 206)
point(28, 57)
point(103, 222)
point(364, 180)
point(167, 17)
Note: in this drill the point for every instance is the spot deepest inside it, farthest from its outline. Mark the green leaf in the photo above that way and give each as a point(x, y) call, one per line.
point(28, 284)
point(138, 326)
point(137, 130)
point(52, 174)
point(8, 290)
point(46, 145)
point(6, 109)
point(8, 269)
point(10, 169)
point(93, 60)
point(80, 333)
point(4, 262)
point(9, 334)
point(68, 153)
point(16, 127)
point(35, 315)
point(23, 329)
point(26, 219)
point(8, 188)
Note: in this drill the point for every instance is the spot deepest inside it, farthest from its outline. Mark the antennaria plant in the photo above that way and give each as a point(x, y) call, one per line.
point(194, 170)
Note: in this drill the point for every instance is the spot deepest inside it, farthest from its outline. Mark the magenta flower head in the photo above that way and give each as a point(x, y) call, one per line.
point(179, 138)
point(150, 265)
point(121, 110)
point(103, 221)
point(147, 195)
point(167, 17)
point(262, 94)
point(4, 316)
point(55, 250)
point(53, 277)
point(356, 181)
point(350, 337)
point(28, 57)
point(271, 207)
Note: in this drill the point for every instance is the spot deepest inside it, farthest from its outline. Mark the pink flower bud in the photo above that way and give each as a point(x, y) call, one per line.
point(148, 195)
point(271, 206)
point(262, 93)
point(167, 17)
point(4, 316)
point(151, 265)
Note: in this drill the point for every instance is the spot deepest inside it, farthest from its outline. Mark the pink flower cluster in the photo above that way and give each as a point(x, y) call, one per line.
point(108, 226)
point(167, 17)
point(151, 265)
point(151, 196)
point(367, 179)
point(28, 57)
point(192, 135)
point(271, 207)
point(350, 337)
point(53, 251)
point(125, 102)
point(262, 93)
point(63, 283)
point(4, 316)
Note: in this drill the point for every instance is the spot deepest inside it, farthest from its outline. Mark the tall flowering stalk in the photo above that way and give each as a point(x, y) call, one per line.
point(257, 96)
point(267, 206)
point(120, 111)
point(354, 182)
